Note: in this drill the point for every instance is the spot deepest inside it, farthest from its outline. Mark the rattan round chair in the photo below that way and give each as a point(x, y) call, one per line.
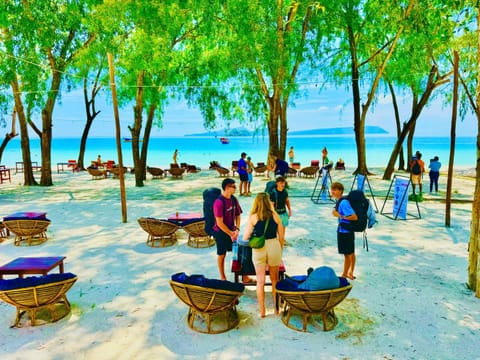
point(33, 232)
point(310, 303)
point(161, 233)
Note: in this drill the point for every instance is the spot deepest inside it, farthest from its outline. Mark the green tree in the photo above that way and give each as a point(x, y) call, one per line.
point(41, 39)
point(364, 37)
point(249, 65)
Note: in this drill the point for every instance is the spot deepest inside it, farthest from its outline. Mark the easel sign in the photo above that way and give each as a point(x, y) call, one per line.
point(321, 192)
point(361, 181)
point(400, 200)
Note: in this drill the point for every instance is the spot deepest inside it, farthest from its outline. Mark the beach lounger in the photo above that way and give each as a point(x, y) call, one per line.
point(97, 174)
point(176, 172)
point(309, 171)
point(156, 173)
point(222, 171)
point(161, 233)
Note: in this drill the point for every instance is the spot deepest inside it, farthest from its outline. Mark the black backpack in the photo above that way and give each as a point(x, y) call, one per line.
point(359, 204)
point(416, 169)
point(209, 197)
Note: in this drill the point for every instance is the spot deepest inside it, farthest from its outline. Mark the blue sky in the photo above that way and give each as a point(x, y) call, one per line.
point(331, 108)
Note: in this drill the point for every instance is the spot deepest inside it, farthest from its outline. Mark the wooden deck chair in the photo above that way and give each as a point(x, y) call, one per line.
point(33, 231)
point(161, 233)
point(310, 303)
point(197, 237)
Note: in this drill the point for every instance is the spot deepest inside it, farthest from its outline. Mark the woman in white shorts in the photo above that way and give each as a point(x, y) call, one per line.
point(264, 220)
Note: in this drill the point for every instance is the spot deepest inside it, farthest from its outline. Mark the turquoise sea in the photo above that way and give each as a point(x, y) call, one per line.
point(201, 150)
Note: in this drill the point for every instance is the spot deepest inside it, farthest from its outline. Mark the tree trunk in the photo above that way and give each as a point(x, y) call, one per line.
point(29, 180)
point(8, 136)
point(135, 131)
point(474, 245)
point(146, 139)
point(91, 115)
point(401, 161)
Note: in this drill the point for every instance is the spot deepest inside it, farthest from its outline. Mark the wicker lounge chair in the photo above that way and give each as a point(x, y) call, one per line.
point(311, 303)
point(260, 169)
point(97, 174)
point(115, 171)
point(309, 171)
point(291, 172)
point(222, 171)
point(156, 173)
point(176, 172)
point(4, 232)
point(34, 232)
point(206, 305)
point(197, 237)
point(161, 233)
point(48, 295)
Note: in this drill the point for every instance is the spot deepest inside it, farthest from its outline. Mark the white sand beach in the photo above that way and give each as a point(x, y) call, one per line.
point(409, 300)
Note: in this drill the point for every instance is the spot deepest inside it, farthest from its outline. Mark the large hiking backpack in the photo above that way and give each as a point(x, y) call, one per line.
point(209, 197)
point(360, 205)
point(270, 186)
point(416, 169)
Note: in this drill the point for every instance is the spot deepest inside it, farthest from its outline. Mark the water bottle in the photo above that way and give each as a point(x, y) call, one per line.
point(235, 251)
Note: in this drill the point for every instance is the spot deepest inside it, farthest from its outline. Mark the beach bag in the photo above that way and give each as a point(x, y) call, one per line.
point(257, 242)
point(360, 205)
point(209, 197)
point(416, 169)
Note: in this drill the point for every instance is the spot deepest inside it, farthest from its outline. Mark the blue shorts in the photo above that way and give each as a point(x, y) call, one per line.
point(250, 177)
point(243, 177)
point(284, 217)
point(223, 241)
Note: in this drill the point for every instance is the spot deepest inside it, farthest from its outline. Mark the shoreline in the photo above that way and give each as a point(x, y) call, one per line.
point(123, 307)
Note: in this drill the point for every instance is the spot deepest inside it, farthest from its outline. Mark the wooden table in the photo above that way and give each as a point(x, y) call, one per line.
point(181, 217)
point(32, 265)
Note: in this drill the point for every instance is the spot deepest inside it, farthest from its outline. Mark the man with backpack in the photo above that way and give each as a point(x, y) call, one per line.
point(345, 238)
point(417, 168)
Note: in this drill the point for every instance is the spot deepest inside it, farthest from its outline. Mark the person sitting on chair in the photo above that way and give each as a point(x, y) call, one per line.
point(340, 165)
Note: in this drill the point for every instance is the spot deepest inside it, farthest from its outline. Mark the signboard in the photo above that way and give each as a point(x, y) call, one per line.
point(400, 198)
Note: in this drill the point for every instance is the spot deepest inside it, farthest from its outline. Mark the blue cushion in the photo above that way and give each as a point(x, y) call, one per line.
point(292, 284)
point(20, 283)
point(200, 280)
point(322, 278)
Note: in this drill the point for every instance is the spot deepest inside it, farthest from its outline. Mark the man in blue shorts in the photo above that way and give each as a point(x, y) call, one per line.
point(243, 173)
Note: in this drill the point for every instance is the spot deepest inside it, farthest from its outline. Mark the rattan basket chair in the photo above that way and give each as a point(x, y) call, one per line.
point(34, 232)
point(161, 233)
point(4, 232)
point(197, 237)
point(156, 173)
point(206, 305)
point(222, 171)
point(309, 171)
point(310, 303)
point(34, 298)
point(176, 172)
point(97, 174)
point(260, 169)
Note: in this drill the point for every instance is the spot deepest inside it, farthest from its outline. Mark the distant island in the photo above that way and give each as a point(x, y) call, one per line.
point(241, 131)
